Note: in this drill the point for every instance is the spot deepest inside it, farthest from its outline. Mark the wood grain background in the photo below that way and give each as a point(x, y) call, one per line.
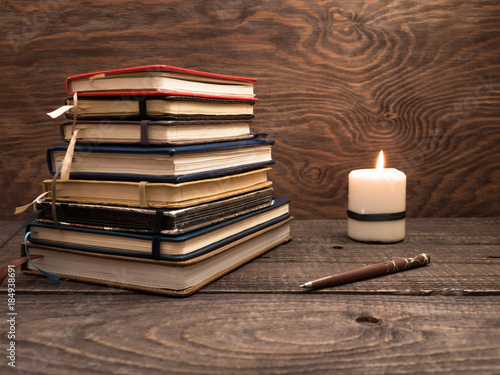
point(338, 81)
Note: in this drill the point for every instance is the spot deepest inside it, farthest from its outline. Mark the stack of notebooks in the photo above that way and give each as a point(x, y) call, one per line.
point(168, 186)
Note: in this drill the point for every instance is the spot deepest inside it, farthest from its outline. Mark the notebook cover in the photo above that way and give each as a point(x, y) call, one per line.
point(178, 238)
point(259, 140)
point(159, 123)
point(173, 190)
point(146, 220)
point(168, 292)
point(152, 68)
point(165, 150)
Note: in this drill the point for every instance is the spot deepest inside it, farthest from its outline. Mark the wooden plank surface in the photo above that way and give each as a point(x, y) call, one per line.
point(465, 257)
point(257, 334)
point(441, 318)
point(338, 81)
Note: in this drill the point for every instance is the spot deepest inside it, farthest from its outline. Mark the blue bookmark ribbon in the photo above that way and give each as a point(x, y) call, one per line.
point(49, 275)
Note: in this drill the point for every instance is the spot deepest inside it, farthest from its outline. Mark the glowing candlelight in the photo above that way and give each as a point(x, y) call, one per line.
point(380, 160)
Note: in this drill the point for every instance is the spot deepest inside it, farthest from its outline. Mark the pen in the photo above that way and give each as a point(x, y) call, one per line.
point(366, 272)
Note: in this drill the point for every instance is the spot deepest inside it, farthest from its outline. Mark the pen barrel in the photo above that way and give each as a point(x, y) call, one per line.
point(373, 270)
point(402, 264)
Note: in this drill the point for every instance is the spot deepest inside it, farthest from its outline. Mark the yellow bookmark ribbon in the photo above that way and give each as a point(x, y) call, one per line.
point(96, 76)
point(68, 157)
point(75, 110)
point(26, 206)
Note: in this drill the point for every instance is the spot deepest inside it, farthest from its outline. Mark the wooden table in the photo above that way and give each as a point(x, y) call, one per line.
point(442, 318)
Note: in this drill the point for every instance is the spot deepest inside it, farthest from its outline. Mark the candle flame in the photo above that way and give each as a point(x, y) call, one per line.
point(380, 161)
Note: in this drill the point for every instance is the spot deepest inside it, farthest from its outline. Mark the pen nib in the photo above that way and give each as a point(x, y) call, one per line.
point(306, 285)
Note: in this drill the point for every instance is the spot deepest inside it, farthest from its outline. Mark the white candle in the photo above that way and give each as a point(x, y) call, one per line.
point(377, 204)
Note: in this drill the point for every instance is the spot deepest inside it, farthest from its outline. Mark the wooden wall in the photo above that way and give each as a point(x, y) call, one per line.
point(338, 81)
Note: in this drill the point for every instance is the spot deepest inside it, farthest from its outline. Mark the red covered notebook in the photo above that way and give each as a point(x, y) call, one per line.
point(161, 80)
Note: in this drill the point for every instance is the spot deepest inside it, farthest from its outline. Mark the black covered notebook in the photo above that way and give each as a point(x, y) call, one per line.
point(160, 107)
point(150, 220)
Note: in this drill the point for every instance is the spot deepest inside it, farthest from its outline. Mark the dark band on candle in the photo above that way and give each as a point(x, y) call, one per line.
point(376, 217)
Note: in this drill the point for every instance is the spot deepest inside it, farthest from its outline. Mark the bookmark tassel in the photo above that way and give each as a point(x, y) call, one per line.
point(68, 157)
point(50, 276)
point(53, 196)
point(75, 110)
point(63, 169)
point(61, 110)
point(21, 209)
point(32, 217)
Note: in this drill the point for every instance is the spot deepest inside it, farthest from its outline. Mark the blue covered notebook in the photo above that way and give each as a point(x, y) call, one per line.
point(165, 164)
point(178, 278)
